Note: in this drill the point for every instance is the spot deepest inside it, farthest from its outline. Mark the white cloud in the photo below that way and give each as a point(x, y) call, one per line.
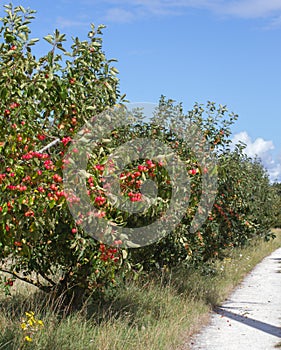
point(119, 15)
point(251, 8)
point(270, 9)
point(67, 23)
point(261, 149)
point(141, 8)
point(274, 23)
point(258, 148)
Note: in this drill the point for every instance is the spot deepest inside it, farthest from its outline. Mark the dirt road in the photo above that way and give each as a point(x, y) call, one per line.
point(251, 318)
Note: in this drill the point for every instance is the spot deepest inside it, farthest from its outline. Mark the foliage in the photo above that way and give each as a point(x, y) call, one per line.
point(44, 102)
point(276, 212)
point(243, 206)
point(155, 312)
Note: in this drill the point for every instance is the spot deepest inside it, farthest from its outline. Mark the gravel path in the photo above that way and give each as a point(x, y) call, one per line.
point(251, 318)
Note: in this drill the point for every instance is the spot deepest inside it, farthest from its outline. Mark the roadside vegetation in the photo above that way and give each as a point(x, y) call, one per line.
point(155, 312)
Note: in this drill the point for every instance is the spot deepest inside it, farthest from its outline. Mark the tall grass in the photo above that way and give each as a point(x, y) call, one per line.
point(160, 312)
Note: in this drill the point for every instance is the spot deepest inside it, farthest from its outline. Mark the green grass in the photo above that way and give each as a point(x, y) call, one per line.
point(159, 313)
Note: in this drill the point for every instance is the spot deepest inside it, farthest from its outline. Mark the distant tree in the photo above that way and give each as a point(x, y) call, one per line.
point(276, 188)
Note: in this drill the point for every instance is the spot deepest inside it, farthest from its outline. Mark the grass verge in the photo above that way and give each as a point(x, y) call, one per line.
point(157, 314)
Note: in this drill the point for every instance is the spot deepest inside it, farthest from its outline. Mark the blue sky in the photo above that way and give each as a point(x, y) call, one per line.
point(191, 51)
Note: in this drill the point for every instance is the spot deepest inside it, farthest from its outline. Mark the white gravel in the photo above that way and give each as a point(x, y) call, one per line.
point(251, 317)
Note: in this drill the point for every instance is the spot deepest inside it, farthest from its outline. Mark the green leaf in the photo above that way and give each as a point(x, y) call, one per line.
point(60, 47)
point(49, 38)
point(22, 9)
point(33, 41)
point(52, 204)
point(9, 38)
point(4, 93)
point(22, 36)
point(23, 28)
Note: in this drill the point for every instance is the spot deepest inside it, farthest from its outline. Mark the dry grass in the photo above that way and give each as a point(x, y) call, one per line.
point(142, 316)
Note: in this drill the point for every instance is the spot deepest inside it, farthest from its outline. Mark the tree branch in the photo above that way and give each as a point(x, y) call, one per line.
point(47, 278)
point(27, 280)
point(49, 145)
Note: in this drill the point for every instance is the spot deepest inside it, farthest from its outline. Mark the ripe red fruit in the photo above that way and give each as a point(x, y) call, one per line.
point(192, 171)
point(57, 178)
point(102, 248)
point(142, 168)
point(53, 187)
point(65, 140)
point(9, 283)
point(100, 200)
point(14, 105)
point(41, 137)
point(99, 167)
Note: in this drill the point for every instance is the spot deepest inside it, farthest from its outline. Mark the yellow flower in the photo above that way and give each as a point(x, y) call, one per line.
point(30, 322)
point(27, 338)
point(23, 326)
point(41, 323)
